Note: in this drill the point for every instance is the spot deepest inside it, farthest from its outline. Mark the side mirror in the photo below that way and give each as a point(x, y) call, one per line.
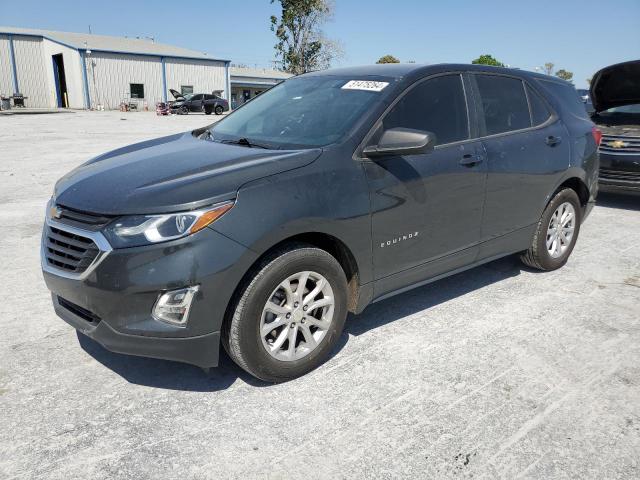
point(401, 141)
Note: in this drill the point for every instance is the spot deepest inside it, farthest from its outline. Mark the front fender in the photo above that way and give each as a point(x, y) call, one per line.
point(313, 199)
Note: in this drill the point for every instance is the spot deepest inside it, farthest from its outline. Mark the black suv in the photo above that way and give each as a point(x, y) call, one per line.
point(615, 91)
point(198, 102)
point(331, 191)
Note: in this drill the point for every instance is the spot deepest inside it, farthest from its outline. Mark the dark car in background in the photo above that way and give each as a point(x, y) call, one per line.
point(615, 92)
point(586, 99)
point(329, 192)
point(198, 102)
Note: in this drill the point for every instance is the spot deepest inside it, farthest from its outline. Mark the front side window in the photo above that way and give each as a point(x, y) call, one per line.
point(436, 105)
point(504, 104)
point(309, 111)
point(136, 90)
point(197, 97)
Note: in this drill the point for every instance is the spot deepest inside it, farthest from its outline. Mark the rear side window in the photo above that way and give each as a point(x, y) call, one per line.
point(504, 104)
point(436, 105)
point(568, 96)
point(539, 111)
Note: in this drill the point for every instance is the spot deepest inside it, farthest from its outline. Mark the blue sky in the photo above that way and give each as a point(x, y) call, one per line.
point(580, 36)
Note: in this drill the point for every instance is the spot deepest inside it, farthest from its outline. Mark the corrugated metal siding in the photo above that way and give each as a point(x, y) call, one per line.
point(32, 77)
point(110, 76)
point(204, 76)
point(6, 75)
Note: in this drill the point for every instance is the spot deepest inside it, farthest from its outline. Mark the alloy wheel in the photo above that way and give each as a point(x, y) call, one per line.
point(561, 229)
point(297, 316)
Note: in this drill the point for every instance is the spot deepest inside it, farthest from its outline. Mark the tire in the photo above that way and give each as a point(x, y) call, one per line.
point(207, 111)
point(539, 256)
point(241, 332)
point(184, 110)
point(218, 109)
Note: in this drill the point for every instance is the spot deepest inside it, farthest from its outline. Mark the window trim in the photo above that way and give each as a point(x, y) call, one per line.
point(357, 154)
point(552, 118)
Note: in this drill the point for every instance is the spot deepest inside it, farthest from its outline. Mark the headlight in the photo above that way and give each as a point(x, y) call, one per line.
point(136, 230)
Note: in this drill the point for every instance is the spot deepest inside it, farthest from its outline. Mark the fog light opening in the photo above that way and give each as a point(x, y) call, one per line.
point(173, 307)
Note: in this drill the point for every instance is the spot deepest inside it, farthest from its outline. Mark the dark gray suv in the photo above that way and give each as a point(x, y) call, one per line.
point(329, 192)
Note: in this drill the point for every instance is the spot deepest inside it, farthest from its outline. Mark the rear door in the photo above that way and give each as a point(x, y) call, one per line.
point(427, 208)
point(527, 151)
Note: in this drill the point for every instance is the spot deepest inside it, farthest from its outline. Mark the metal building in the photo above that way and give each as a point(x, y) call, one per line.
point(246, 82)
point(78, 70)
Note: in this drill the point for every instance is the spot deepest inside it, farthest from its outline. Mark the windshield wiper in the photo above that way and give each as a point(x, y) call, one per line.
point(245, 142)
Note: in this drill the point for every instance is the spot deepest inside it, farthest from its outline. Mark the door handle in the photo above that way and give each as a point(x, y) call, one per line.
point(470, 160)
point(552, 141)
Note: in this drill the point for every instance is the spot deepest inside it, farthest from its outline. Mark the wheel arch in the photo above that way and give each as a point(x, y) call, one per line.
point(324, 241)
point(579, 187)
point(575, 181)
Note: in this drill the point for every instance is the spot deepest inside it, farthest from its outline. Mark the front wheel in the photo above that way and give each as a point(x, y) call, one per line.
point(556, 232)
point(288, 318)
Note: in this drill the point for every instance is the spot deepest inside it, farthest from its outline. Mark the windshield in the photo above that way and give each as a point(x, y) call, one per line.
point(301, 112)
point(188, 96)
point(634, 108)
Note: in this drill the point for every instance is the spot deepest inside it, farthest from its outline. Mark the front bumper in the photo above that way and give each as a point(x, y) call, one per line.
point(202, 350)
point(619, 172)
point(112, 303)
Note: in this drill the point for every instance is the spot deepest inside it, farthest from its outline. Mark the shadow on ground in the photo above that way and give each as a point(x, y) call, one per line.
point(627, 201)
point(179, 376)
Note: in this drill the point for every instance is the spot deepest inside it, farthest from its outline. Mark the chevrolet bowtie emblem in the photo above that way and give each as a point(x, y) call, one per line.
point(55, 212)
point(618, 144)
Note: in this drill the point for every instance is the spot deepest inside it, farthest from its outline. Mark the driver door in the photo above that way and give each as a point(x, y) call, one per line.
point(195, 105)
point(427, 208)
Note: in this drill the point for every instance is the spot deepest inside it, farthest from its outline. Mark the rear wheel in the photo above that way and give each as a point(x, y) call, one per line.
point(556, 233)
point(219, 110)
point(289, 316)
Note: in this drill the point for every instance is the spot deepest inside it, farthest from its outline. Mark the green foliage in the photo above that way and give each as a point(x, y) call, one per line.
point(564, 74)
point(487, 60)
point(388, 59)
point(301, 46)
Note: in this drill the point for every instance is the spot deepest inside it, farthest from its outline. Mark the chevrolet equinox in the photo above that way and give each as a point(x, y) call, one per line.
point(331, 191)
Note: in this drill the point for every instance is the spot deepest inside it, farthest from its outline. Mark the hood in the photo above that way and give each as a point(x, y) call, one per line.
point(616, 85)
point(176, 94)
point(170, 174)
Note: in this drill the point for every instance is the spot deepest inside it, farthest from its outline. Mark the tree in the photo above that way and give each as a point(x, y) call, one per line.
point(564, 74)
point(487, 59)
point(548, 68)
point(388, 59)
point(302, 47)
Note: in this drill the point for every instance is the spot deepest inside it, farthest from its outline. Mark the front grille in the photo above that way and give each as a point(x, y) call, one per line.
point(69, 251)
point(76, 218)
point(608, 174)
point(77, 310)
point(620, 144)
